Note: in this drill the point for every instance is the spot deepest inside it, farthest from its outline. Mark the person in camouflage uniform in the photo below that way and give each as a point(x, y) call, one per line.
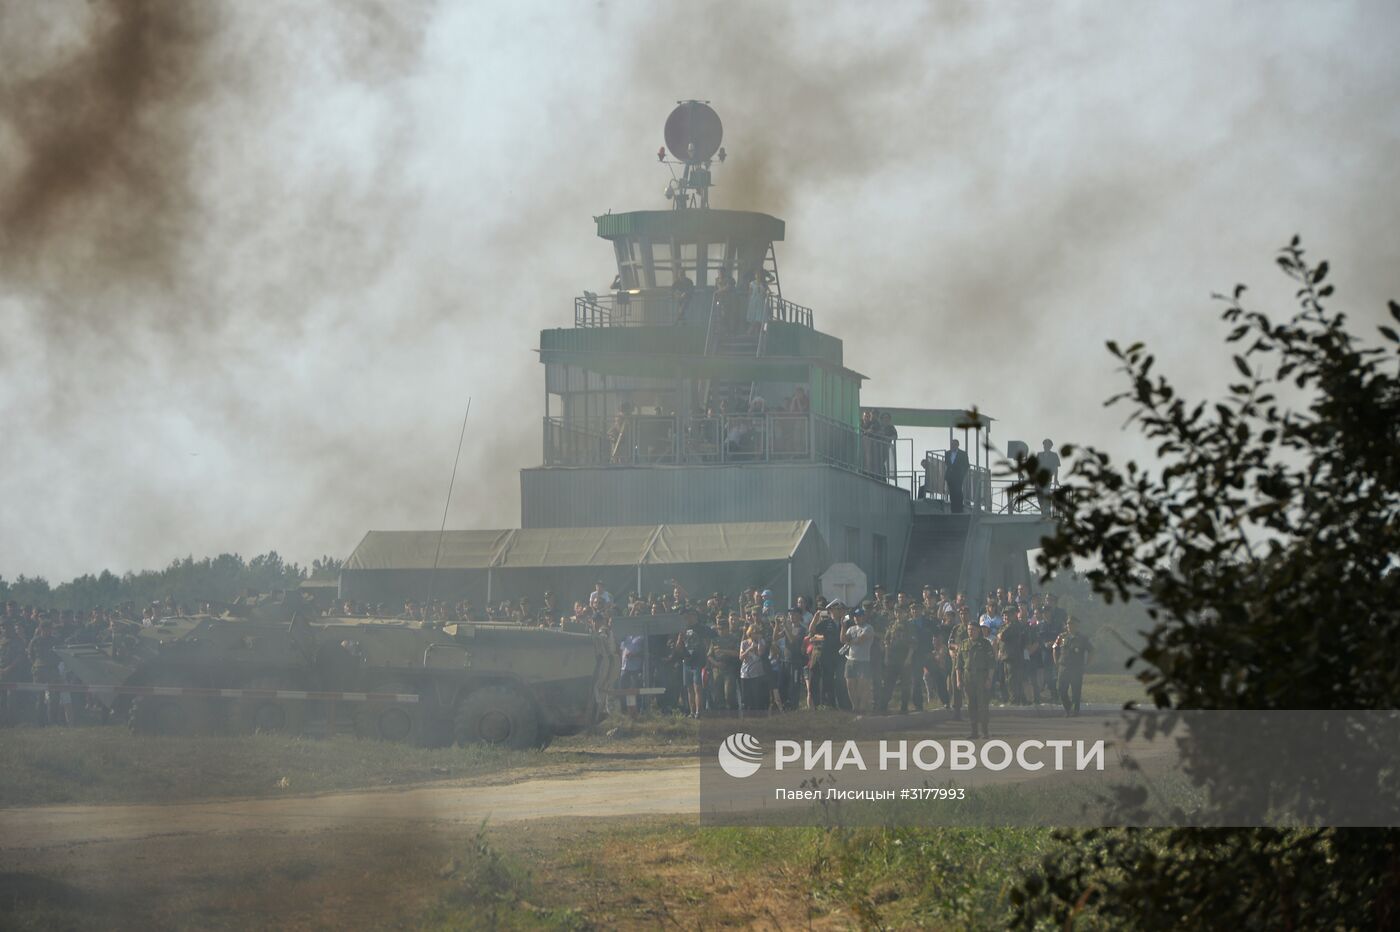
point(724, 662)
point(976, 661)
point(1012, 638)
point(957, 634)
point(1072, 652)
point(900, 640)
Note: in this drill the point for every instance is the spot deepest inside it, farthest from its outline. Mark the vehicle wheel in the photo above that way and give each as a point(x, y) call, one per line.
point(168, 715)
point(500, 716)
point(399, 722)
point(269, 716)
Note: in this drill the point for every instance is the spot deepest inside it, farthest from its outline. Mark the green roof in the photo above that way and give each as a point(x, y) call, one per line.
point(633, 545)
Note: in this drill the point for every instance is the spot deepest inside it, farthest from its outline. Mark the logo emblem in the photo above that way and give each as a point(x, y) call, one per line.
point(740, 755)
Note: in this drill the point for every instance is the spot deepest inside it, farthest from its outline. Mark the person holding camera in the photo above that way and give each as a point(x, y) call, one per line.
point(753, 671)
point(825, 637)
point(858, 636)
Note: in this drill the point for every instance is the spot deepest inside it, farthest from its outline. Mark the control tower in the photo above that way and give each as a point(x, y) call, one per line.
point(696, 399)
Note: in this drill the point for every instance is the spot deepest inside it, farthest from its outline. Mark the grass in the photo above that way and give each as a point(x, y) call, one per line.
point(1114, 688)
point(491, 891)
point(893, 877)
point(109, 765)
point(657, 873)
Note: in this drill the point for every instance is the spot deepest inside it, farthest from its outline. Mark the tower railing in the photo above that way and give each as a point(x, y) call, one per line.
point(722, 440)
point(661, 307)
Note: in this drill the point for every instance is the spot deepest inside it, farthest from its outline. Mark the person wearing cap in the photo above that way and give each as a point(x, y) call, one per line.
point(976, 661)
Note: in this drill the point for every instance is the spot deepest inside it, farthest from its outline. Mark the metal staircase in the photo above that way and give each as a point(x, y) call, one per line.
point(936, 551)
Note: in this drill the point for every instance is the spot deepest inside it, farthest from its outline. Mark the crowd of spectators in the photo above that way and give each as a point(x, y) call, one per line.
point(747, 653)
point(29, 639)
point(752, 655)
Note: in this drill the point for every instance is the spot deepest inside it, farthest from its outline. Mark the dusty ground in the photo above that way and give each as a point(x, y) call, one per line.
point(393, 858)
point(583, 876)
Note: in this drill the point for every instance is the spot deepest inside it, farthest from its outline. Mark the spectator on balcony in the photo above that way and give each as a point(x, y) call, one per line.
point(1047, 464)
point(867, 434)
point(725, 303)
point(800, 403)
point(684, 292)
point(955, 474)
point(889, 435)
point(619, 439)
point(758, 301)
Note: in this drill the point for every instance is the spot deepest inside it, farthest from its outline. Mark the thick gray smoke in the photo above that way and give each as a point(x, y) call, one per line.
point(255, 257)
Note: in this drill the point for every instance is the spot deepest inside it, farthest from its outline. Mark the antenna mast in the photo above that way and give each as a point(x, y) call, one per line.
point(442, 531)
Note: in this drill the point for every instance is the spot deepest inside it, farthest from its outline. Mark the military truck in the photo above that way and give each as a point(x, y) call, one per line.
point(405, 681)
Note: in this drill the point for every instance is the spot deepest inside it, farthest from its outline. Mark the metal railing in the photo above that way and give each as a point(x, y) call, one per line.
point(788, 312)
point(773, 437)
point(660, 307)
point(981, 490)
point(660, 440)
point(757, 437)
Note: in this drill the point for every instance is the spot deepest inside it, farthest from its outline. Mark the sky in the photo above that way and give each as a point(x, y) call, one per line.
point(255, 258)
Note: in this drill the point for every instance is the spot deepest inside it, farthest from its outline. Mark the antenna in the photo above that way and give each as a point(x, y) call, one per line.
point(693, 134)
point(442, 531)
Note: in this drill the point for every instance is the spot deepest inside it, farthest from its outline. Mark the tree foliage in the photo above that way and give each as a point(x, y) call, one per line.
point(1264, 541)
point(186, 580)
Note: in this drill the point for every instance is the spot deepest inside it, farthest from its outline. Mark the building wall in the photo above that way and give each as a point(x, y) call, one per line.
point(850, 511)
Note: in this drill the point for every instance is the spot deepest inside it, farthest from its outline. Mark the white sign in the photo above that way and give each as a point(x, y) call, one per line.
point(846, 582)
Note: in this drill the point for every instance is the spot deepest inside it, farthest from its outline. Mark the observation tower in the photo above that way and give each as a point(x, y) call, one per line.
point(699, 428)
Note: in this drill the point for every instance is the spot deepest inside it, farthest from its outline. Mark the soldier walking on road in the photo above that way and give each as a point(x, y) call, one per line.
point(976, 661)
point(1072, 652)
point(1012, 637)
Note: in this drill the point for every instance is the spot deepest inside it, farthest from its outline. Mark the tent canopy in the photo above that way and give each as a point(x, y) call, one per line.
point(637, 545)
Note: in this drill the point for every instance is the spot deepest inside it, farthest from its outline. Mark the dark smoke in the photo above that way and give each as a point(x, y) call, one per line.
point(254, 257)
point(105, 151)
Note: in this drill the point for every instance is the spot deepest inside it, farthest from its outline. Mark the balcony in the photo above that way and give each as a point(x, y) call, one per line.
point(669, 440)
point(982, 490)
point(661, 308)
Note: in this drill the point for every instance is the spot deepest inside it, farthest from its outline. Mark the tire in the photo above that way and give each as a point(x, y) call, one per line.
point(269, 716)
point(169, 716)
point(500, 716)
point(395, 722)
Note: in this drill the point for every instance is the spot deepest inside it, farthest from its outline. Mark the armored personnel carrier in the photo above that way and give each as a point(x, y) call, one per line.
point(403, 681)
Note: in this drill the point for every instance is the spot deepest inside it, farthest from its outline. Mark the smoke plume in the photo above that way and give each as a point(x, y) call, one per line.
point(254, 258)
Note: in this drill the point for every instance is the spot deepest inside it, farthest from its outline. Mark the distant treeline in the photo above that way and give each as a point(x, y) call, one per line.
point(187, 580)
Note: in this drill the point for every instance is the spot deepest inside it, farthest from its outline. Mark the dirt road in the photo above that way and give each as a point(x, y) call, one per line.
point(650, 791)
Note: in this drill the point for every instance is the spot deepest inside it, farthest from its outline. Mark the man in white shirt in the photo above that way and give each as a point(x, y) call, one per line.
point(991, 618)
point(858, 636)
point(599, 598)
